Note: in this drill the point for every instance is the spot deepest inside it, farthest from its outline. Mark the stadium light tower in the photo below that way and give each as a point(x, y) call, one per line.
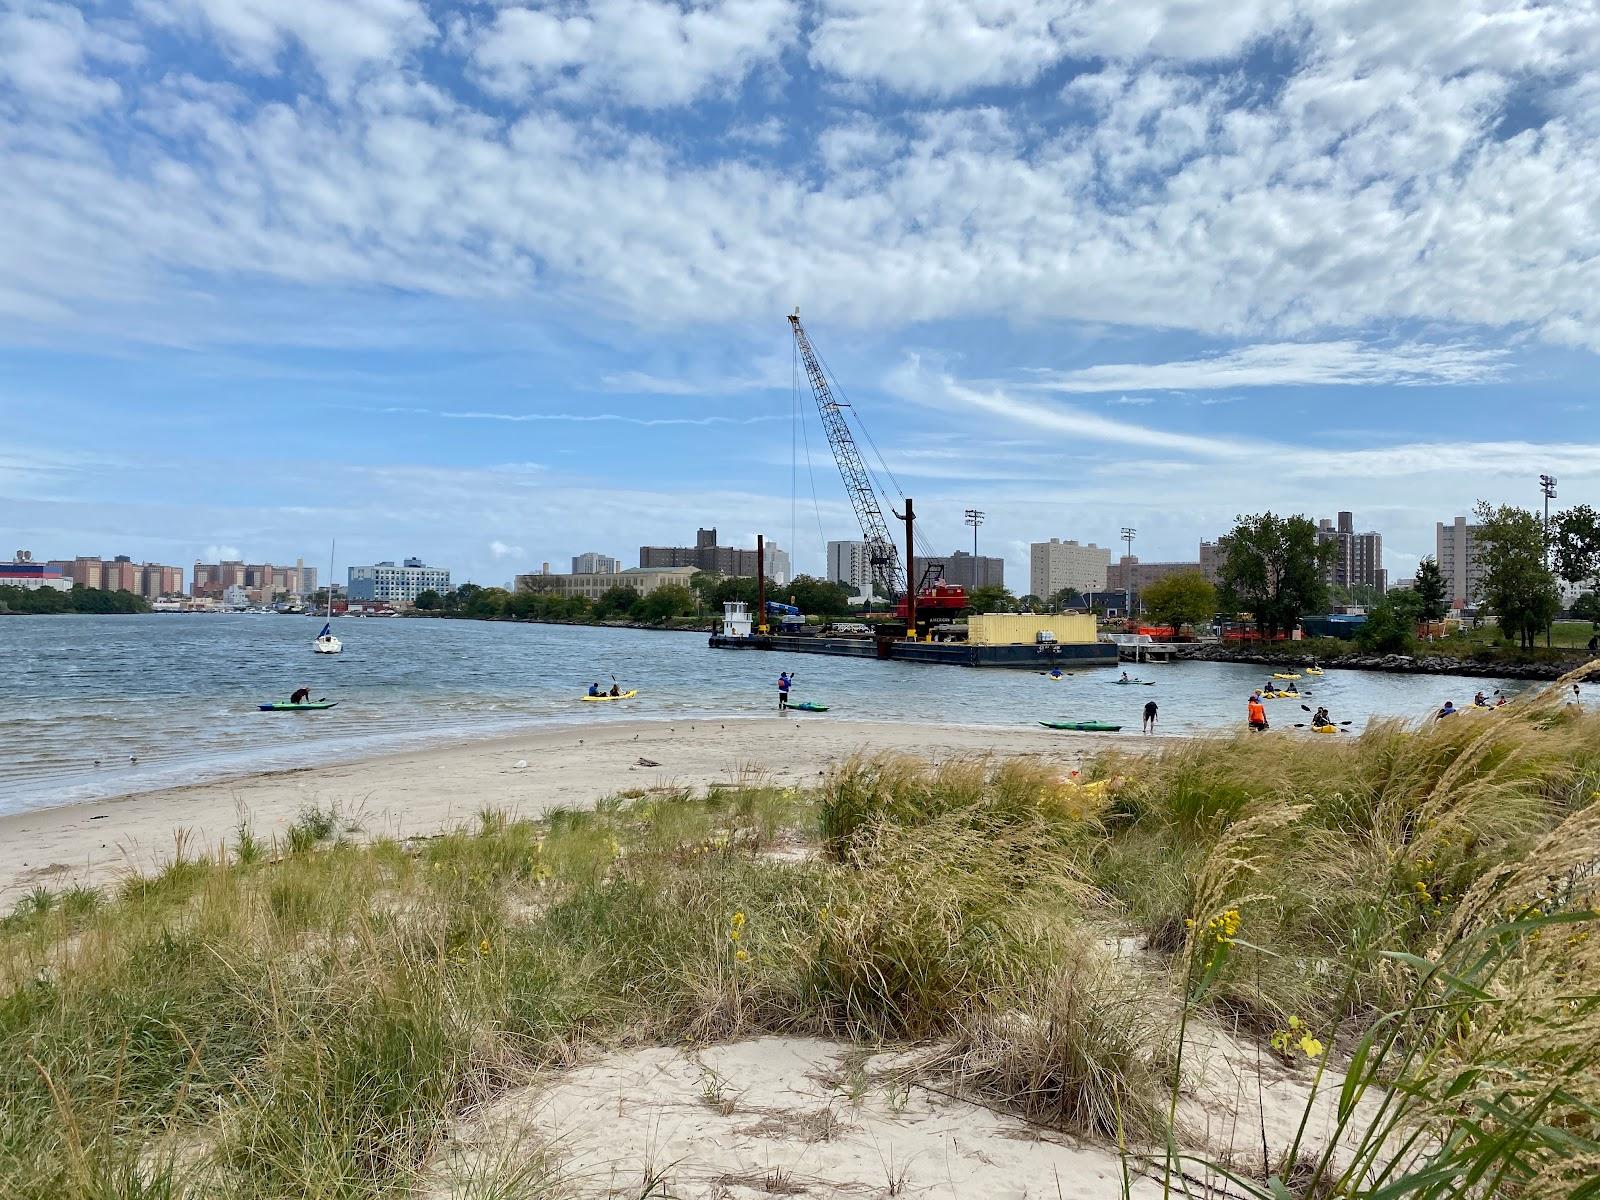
point(975, 518)
point(1128, 534)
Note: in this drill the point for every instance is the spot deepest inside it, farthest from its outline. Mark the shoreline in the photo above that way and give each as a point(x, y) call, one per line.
point(1396, 664)
point(419, 792)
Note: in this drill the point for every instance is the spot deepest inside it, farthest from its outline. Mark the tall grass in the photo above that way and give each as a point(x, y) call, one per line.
point(1415, 899)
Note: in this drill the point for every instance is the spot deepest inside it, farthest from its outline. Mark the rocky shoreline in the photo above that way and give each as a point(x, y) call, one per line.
point(1404, 664)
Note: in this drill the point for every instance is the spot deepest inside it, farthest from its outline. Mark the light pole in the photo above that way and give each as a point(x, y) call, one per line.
point(1128, 534)
point(975, 518)
point(1547, 485)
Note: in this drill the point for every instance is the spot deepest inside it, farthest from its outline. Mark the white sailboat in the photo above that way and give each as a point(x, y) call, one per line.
point(326, 643)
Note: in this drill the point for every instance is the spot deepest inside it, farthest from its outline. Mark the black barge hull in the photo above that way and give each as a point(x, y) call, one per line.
point(953, 654)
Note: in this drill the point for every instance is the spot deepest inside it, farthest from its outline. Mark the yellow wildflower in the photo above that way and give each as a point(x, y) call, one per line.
point(741, 956)
point(738, 920)
point(483, 946)
point(1310, 1047)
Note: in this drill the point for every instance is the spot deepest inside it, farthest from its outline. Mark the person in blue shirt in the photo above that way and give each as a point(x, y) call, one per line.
point(1449, 710)
point(594, 689)
point(784, 680)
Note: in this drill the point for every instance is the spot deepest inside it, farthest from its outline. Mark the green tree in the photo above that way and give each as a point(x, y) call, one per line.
point(991, 599)
point(1274, 568)
point(810, 595)
point(616, 601)
point(1031, 603)
point(1517, 587)
point(1575, 545)
point(428, 600)
point(1587, 608)
point(1390, 628)
point(1430, 590)
point(668, 601)
point(1180, 600)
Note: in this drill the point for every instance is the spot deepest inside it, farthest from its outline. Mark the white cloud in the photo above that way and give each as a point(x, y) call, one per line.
point(340, 36)
point(1288, 364)
point(215, 553)
point(652, 53)
point(1133, 401)
point(499, 550)
point(49, 53)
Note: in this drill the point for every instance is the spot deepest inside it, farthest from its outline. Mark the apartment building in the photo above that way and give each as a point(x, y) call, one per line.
point(592, 563)
point(1058, 564)
point(964, 569)
point(261, 582)
point(1456, 551)
point(707, 555)
point(593, 584)
point(150, 580)
point(396, 585)
point(1359, 562)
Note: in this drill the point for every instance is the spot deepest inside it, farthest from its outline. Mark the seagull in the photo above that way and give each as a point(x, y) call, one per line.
point(133, 758)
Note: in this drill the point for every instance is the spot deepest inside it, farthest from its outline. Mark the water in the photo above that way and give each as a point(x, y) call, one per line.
point(180, 693)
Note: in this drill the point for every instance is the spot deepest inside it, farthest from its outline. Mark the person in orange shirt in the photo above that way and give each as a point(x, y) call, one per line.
point(1257, 712)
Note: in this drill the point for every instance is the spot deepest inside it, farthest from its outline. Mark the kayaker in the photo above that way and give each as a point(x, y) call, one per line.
point(784, 680)
point(1124, 678)
point(594, 689)
point(1449, 710)
point(1320, 719)
point(1256, 712)
point(616, 688)
point(1480, 701)
point(301, 696)
point(1056, 673)
point(1150, 717)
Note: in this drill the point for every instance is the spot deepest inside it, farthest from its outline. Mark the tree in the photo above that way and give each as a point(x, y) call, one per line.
point(668, 601)
point(1391, 627)
point(1180, 600)
point(991, 599)
point(810, 595)
point(1517, 587)
point(1430, 590)
point(427, 600)
point(1031, 603)
point(1587, 608)
point(1575, 545)
point(616, 601)
point(1274, 568)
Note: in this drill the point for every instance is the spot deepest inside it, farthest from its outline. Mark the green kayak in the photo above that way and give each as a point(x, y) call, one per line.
point(1082, 726)
point(311, 707)
point(807, 706)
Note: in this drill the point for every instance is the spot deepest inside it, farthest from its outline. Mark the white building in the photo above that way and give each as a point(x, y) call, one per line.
point(1058, 564)
point(22, 572)
point(850, 563)
point(592, 563)
point(397, 585)
point(1456, 550)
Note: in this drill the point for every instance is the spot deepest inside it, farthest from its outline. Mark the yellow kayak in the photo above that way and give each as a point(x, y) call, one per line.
point(1325, 729)
point(1280, 695)
point(1281, 675)
point(1315, 671)
point(624, 696)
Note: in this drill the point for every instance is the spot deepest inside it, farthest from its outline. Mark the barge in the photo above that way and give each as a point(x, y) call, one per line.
point(994, 640)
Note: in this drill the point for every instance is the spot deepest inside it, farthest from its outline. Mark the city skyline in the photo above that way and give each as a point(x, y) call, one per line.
point(426, 276)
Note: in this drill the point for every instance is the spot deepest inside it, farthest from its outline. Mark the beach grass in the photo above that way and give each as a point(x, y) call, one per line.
point(1409, 910)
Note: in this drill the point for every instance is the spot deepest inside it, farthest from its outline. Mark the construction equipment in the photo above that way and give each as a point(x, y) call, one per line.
point(931, 595)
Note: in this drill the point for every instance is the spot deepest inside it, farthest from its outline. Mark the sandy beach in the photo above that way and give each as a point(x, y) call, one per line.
point(423, 791)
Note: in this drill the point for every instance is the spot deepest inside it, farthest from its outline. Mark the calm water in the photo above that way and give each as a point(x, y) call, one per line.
point(179, 692)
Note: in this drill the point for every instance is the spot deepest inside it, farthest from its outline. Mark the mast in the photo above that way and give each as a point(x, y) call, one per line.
point(332, 546)
point(886, 568)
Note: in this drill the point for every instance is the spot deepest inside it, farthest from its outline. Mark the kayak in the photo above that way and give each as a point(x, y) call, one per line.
point(807, 706)
point(1280, 695)
point(1047, 675)
point(1325, 729)
point(1315, 671)
point(624, 696)
point(312, 706)
point(1284, 675)
point(1082, 726)
point(1134, 682)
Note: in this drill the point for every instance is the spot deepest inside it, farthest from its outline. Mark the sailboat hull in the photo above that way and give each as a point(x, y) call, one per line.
point(327, 645)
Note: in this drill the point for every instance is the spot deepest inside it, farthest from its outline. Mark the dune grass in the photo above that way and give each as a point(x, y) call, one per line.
point(307, 1019)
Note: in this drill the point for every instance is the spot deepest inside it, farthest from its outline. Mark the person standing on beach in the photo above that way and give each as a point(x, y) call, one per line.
point(784, 680)
point(1256, 712)
point(1150, 717)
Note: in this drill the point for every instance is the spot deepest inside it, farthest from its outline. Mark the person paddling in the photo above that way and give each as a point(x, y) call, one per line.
point(784, 680)
point(1256, 712)
point(616, 688)
point(594, 689)
point(301, 696)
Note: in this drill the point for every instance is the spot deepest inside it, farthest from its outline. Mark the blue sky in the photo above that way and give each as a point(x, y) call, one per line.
point(496, 283)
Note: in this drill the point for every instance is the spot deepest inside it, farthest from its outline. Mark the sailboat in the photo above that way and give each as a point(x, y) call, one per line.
point(326, 643)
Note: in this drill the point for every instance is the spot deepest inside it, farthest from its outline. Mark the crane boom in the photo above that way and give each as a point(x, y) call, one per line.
point(886, 569)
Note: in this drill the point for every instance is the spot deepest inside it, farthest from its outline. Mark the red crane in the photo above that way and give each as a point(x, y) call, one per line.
point(932, 594)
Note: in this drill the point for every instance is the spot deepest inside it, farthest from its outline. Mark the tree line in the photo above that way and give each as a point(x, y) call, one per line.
point(704, 596)
point(76, 600)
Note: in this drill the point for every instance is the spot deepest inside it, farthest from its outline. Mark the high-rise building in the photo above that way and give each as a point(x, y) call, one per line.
point(396, 585)
point(850, 563)
point(707, 555)
point(1359, 562)
point(964, 569)
point(1058, 564)
point(150, 580)
point(261, 582)
point(1456, 550)
point(594, 564)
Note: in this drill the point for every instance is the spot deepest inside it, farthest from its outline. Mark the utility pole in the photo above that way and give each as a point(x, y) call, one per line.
point(975, 518)
point(1128, 534)
point(910, 518)
point(1547, 485)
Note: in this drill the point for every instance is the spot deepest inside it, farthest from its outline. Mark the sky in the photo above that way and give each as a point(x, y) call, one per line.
point(496, 283)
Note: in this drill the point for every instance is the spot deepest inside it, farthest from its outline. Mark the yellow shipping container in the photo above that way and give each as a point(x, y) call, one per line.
point(1010, 629)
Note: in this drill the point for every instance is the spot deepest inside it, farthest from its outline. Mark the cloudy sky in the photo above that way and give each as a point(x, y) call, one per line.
point(499, 282)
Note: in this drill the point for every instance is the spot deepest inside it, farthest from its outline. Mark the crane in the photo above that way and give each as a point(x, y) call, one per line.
point(887, 572)
point(931, 594)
